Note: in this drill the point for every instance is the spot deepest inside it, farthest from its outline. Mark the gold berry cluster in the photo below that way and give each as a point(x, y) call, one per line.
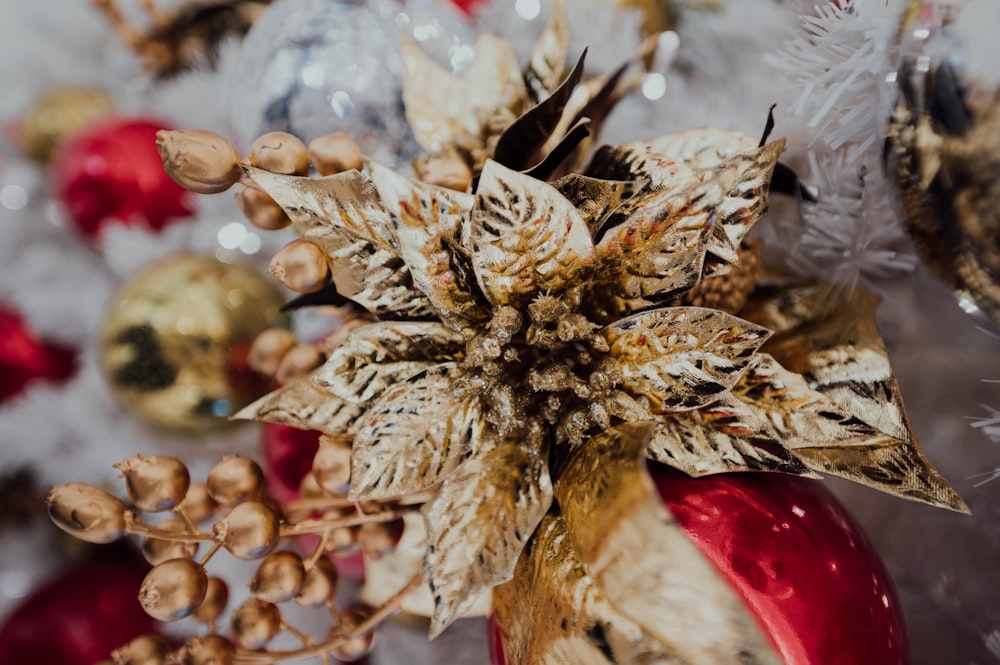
point(231, 510)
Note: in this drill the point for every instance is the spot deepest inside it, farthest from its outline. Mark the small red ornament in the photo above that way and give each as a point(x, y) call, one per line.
point(468, 6)
point(78, 617)
point(111, 173)
point(801, 563)
point(24, 358)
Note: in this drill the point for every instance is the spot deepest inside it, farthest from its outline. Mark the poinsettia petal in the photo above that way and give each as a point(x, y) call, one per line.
point(596, 198)
point(613, 513)
point(428, 226)
point(722, 437)
point(375, 357)
point(552, 612)
point(682, 357)
point(478, 524)
point(414, 436)
point(305, 405)
point(527, 237)
point(547, 63)
point(343, 215)
point(830, 439)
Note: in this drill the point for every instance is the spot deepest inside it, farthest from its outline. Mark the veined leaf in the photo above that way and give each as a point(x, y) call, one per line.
point(552, 613)
point(596, 198)
point(342, 214)
point(415, 436)
point(672, 591)
point(548, 58)
point(304, 405)
point(527, 237)
point(682, 357)
point(478, 524)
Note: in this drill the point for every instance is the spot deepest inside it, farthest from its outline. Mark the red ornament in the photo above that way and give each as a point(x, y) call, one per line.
point(468, 6)
point(111, 173)
point(801, 563)
point(78, 617)
point(24, 358)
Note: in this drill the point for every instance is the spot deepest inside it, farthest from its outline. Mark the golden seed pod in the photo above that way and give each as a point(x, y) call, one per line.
point(198, 160)
point(280, 152)
point(234, 480)
point(279, 577)
point(249, 531)
point(344, 539)
point(319, 585)
point(208, 650)
point(145, 650)
point(299, 361)
point(157, 550)
point(353, 648)
point(216, 597)
point(260, 209)
point(310, 489)
point(268, 349)
point(301, 266)
point(377, 539)
point(87, 512)
point(198, 503)
point(255, 623)
point(335, 153)
point(155, 483)
point(332, 465)
point(449, 172)
point(173, 589)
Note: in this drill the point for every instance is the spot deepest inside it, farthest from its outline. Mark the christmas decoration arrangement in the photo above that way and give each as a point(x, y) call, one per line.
point(547, 373)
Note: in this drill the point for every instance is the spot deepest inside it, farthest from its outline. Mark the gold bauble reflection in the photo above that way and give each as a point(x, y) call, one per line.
point(56, 114)
point(176, 336)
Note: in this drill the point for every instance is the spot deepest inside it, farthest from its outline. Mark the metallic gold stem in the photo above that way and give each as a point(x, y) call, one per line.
point(208, 555)
point(137, 527)
point(315, 526)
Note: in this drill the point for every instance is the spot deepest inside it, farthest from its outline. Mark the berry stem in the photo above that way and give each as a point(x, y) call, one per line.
point(134, 525)
point(316, 526)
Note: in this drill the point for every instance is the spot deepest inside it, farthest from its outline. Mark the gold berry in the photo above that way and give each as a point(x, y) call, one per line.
point(279, 577)
point(158, 550)
point(357, 647)
point(301, 266)
point(87, 512)
point(249, 531)
point(332, 465)
point(268, 349)
point(255, 623)
point(173, 589)
point(208, 650)
point(201, 161)
point(198, 504)
point(145, 650)
point(319, 585)
point(335, 153)
point(234, 480)
point(449, 172)
point(280, 152)
point(378, 539)
point(155, 483)
point(214, 604)
point(298, 362)
point(260, 209)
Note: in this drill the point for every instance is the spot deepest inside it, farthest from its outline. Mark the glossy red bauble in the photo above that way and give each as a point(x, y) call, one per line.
point(469, 6)
point(111, 173)
point(78, 617)
point(802, 565)
point(25, 359)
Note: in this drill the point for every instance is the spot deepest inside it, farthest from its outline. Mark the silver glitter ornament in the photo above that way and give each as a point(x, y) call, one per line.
point(311, 67)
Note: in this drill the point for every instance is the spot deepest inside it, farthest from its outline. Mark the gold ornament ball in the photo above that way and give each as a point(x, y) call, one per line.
point(175, 340)
point(56, 114)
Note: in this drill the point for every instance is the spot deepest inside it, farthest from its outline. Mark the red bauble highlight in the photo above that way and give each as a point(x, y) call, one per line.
point(801, 563)
point(111, 173)
point(25, 359)
point(78, 617)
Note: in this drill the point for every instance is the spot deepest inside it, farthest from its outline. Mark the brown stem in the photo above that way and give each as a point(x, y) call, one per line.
point(315, 526)
point(136, 526)
point(317, 504)
point(209, 554)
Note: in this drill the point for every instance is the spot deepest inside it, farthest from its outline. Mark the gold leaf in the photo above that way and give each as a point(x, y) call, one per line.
point(444, 109)
point(682, 357)
point(527, 237)
point(721, 437)
point(478, 524)
point(375, 357)
point(830, 439)
point(429, 223)
point(414, 436)
point(595, 198)
point(343, 215)
point(672, 591)
point(552, 613)
point(548, 58)
point(304, 405)
point(700, 148)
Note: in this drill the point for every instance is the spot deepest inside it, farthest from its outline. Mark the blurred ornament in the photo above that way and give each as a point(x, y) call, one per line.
point(24, 358)
point(176, 338)
point(943, 144)
point(111, 173)
point(57, 114)
point(469, 6)
point(656, 14)
point(311, 67)
point(78, 617)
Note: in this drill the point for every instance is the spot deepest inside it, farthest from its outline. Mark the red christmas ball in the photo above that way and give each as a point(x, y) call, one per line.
point(468, 6)
point(78, 617)
point(25, 359)
point(803, 566)
point(111, 173)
